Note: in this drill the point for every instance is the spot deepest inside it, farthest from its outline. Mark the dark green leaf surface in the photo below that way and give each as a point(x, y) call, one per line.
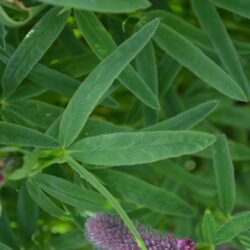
point(143, 194)
point(71, 194)
point(212, 24)
point(102, 45)
point(147, 68)
point(7, 235)
point(96, 84)
point(5, 247)
point(11, 134)
point(138, 148)
point(27, 213)
point(2, 37)
point(186, 119)
point(32, 48)
point(241, 7)
point(191, 32)
point(110, 6)
point(224, 173)
point(197, 62)
point(43, 200)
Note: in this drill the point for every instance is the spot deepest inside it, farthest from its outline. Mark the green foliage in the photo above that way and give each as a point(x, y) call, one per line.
point(133, 107)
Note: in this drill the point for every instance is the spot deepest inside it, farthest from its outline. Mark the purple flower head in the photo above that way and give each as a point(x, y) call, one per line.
point(110, 233)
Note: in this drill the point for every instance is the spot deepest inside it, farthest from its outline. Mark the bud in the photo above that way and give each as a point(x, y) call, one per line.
point(110, 233)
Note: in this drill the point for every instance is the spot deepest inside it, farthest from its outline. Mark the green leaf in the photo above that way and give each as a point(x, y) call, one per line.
point(148, 72)
point(110, 6)
point(138, 147)
point(99, 187)
point(197, 62)
point(214, 27)
point(43, 200)
point(102, 45)
point(26, 91)
point(239, 152)
point(98, 82)
point(2, 37)
point(168, 71)
point(49, 78)
point(241, 7)
point(78, 65)
point(32, 48)
point(233, 227)
point(224, 173)
point(187, 119)
point(27, 213)
point(192, 33)
point(5, 247)
point(232, 116)
point(7, 235)
point(141, 193)
point(40, 114)
point(11, 134)
point(179, 174)
point(208, 227)
point(71, 194)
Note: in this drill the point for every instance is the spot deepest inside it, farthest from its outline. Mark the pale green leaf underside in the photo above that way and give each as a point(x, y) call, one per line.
point(137, 148)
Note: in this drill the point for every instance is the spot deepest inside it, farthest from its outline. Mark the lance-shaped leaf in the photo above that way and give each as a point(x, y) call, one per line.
point(71, 193)
point(141, 193)
point(233, 227)
point(111, 6)
point(224, 173)
point(214, 27)
point(43, 200)
point(137, 148)
point(191, 32)
point(32, 48)
point(11, 134)
point(241, 7)
point(197, 62)
point(97, 83)
point(102, 45)
point(147, 68)
point(186, 119)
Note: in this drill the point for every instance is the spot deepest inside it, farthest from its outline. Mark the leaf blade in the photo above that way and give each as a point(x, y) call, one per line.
point(11, 134)
point(141, 193)
point(233, 227)
point(214, 27)
point(96, 84)
point(32, 48)
point(138, 147)
point(102, 45)
point(111, 6)
point(196, 61)
point(224, 173)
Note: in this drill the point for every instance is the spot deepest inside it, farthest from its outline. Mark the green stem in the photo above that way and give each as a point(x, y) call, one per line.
point(98, 186)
